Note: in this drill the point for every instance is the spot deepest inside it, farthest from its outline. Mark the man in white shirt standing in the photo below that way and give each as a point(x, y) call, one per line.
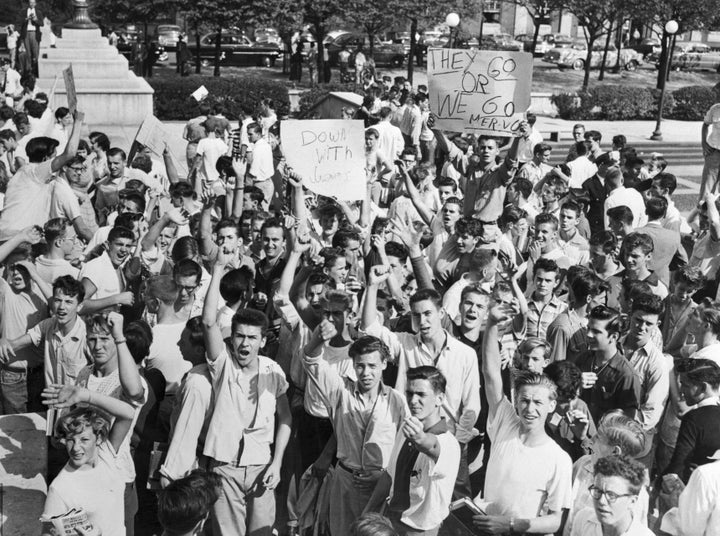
point(619, 195)
point(262, 167)
point(390, 139)
point(529, 139)
point(711, 149)
point(11, 85)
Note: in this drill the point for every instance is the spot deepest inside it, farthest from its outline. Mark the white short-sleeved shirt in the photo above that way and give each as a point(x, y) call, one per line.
point(524, 481)
point(432, 483)
point(712, 118)
point(165, 355)
point(587, 524)
point(211, 149)
point(107, 279)
point(64, 202)
point(51, 269)
point(27, 200)
point(98, 491)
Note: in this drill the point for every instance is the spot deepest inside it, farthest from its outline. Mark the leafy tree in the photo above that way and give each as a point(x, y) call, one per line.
point(594, 15)
point(373, 16)
point(131, 11)
point(283, 15)
point(320, 14)
point(540, 11)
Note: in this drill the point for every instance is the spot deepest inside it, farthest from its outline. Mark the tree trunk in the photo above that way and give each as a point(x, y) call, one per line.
point(287, 52)
point(371, 36)
point(535, 34)
point(588, 57)
point(319, 37)
point(671, 49)
point(618, 45)
point(601, 76)
point(218, 36)
point(413, 45)
point(198, 67)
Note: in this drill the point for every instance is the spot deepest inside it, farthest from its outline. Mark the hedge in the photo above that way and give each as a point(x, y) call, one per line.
point(692, 102)
point(173, 102)
point(615, 102)
point(612, 103)
point(312, 96)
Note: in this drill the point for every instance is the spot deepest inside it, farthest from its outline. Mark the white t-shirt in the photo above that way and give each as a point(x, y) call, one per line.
point(64, 201)
point(712, 118)
point(581, 169)
point(27, 200)
point(107, 279)
point(210, 149)
point(632, 199)
point(98, 490)
point(521, 481)
point(51, 269)
point(431, 483)
point(165, 355)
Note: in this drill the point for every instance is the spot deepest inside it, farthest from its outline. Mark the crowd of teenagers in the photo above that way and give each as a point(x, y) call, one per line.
point(228, 353)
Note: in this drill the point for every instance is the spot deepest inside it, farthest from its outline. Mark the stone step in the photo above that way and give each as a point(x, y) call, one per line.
point(131, 84)
point(78, 43)
point(86, 68)
point(79, 54)
point(81, 34)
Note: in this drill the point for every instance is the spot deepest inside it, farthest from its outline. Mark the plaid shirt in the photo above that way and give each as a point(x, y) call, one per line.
point(540, 316)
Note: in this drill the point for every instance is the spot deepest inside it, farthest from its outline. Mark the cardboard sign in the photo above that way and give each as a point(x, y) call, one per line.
point(479, 91)
point(152, 135)
point(70, 88)
point(328, 154)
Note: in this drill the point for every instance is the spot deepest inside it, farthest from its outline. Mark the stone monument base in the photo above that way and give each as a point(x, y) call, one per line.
point(107, 91)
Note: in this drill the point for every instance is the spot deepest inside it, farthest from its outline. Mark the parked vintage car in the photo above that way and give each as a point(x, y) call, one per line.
point(383, 53)
point(501, 41)
point(236, 49)
point(692, 56)
point(648, 46)
point(545, 43)
point(167, 36)
point(574, 57)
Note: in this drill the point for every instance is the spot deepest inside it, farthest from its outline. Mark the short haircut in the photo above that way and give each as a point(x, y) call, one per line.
point(120, 232)
point(447, 181)
point(546, 265)
point(474, 288)
point(660, 162)
point(582, 148)
point(69, 286)
point(367, 345)
point(250, 317)
point(427, 294)
point(331, 255)
point(142, 162)
point(541, 147)
point(619, 141)
point(7, 134)
point(648, 304)
point(227, 223)
point(586, 284)
point(338, 296)
point(134, 197)
point(567, 376)
point(396, 249)
point(593, 135)
point(605, 159)
point(523, 185)
point(187, 268)
point(656, 208)
point(605, 239)
point(525, 378)
point(61, 112)
point(78, 419)
point(692, 276)
point(371, 132)
point(272, 223)
point(100, 139)
point(215, 124)
point(185, 247)
point(433, 375)
point(139, 339)
point(372, 524)
point(343, 237)
point(40, 148)
point(511, 214)
point(622, 214)
point(637, 241)
point(182, 189)
point(667, 181)
point(187, 501)
point(609, 315)
point(545, 218)
point(632, 289)
point(117, 151)
point(632, 471)
point(571, 205)
point(529, 344)
point(712, 317)
point(98, 323)
point(254, 193)
point(699, 371)
point(235, 284)
point(620, 430)
point(162, 288)
point(469, 226)
point(55, 228)
point(6, 112)
point(254, 127)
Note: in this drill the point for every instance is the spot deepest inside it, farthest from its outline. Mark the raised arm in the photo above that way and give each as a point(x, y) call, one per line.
point(214, 343)
point(378, 274)
point(172, 173)
point(239, 168)
point(713, 215)
point(425, 213)
point(491, 363)
point(72, 144)
point(44, 286)
point(129, 376)
point(30, 234)
point(174, 215)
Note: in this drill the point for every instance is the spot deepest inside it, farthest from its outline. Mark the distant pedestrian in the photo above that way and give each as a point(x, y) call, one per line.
point(711, 149)
point(344, 62)
point(311, 60)
point(296, 63)
point(327, 72)
point(12, 40)
point(360, 61)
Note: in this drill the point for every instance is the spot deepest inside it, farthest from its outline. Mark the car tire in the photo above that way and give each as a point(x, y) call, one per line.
point(632, 65)
point(578, 65)
point(397, 61)
point(265, 61)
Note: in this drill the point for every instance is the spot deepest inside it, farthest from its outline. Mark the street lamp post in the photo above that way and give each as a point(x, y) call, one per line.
point(81, 19)
point(452, 20)
point(671, 28)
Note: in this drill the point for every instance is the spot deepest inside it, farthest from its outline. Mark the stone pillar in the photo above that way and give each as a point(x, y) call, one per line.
point(81, 18)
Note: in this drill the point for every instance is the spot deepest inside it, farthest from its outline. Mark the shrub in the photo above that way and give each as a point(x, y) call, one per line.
point(612, 102)
point(691, 102)
point(312, 96)
point(172, 100)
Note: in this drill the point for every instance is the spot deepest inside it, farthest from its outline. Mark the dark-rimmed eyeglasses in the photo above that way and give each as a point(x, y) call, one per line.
point(611, 496)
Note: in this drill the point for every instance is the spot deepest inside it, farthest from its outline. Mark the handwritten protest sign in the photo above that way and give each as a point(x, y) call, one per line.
point(479, 91)
point(152, 135)
point(328, 154)
point(69, 78)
